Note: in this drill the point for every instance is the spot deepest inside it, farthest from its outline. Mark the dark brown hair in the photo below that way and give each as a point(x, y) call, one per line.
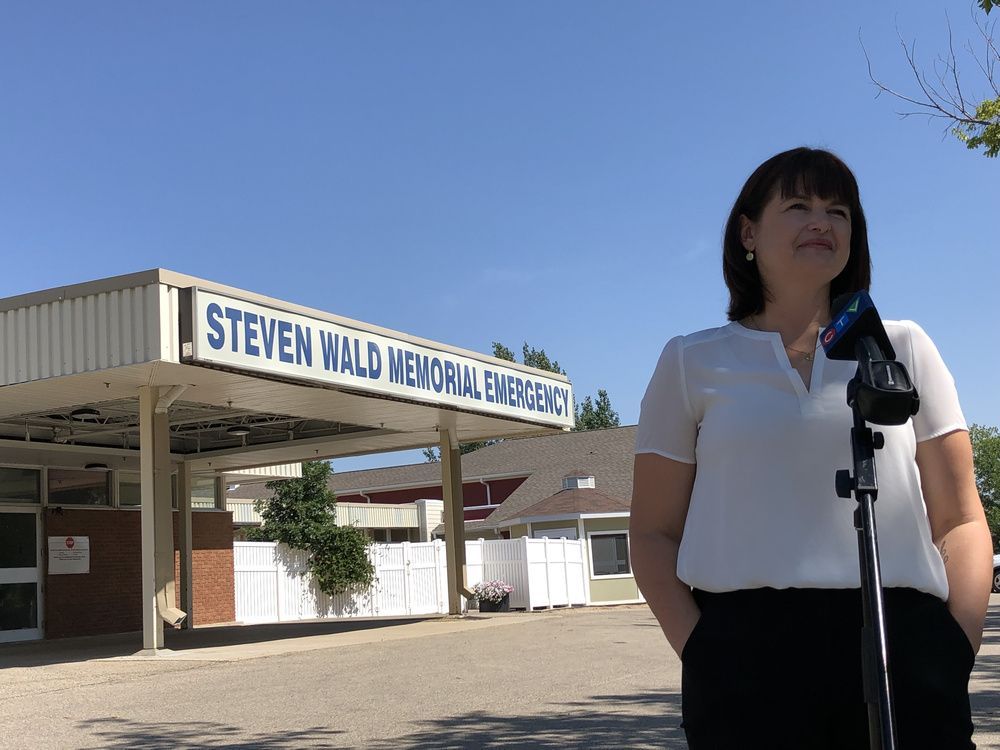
point(801, 170)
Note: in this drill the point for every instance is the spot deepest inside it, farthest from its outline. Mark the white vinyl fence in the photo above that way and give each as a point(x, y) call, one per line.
point(544, 572)
point(272, 584)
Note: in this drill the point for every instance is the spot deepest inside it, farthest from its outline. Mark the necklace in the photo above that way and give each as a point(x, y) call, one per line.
point(807, 356)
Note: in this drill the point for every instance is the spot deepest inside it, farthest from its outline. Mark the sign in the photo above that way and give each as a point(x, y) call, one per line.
point(69, 555)
point(246, 336)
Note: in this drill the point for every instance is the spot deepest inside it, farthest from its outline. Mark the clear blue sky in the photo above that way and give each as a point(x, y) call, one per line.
point(554, 172)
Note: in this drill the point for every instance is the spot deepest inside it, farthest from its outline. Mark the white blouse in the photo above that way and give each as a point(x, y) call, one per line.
point(764, 510)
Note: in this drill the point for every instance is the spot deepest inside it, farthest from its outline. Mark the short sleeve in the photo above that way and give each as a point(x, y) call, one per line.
point(940, 411)
point(666, 424)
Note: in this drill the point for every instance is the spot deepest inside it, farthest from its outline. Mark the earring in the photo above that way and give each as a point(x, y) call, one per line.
point(749, 255)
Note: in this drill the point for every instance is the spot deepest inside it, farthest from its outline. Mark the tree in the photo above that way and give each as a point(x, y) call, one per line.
point(302, 514)
point(587, 416)
point(976, 124)
point(986, 456)
point(596, 416)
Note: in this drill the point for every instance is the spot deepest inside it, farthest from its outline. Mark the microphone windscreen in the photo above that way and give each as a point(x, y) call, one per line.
point(854, 317)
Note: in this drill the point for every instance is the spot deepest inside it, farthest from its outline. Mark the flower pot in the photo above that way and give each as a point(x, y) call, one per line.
point(501, 606)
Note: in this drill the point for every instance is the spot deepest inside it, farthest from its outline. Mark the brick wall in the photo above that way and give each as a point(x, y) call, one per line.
point(212, 576)
point(109, 598)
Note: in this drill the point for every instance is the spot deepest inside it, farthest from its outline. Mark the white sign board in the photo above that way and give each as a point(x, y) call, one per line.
point(69, 555)
point(245, 336)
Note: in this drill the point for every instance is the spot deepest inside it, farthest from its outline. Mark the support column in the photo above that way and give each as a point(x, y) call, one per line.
point(157, 520)
point(454, 520)
point(152, 625)
point(186, 541)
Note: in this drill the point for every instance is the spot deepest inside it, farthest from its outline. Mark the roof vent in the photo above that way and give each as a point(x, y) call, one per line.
point(578, 482)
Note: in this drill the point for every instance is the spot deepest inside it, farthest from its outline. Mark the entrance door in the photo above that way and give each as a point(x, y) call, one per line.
point(20, 576)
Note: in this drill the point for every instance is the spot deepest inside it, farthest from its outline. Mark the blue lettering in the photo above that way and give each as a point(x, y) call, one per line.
point(510, 391)
point(450, 378)
point(437, 375)
point(466, 382)
point(476, 393)
point(395, 365)
point(285, 341)
point(374, 361)
point(423, 372)
point(500, 383)
point(303, 345)
point(235, 316)
point(520, 394)
point(250, 334)
point(488, 385)
point(565, 402)
point(329, 342)
point(410, 381)
point(529, 395)
point(548, 399)
point(267, 336)
point(359, 366)
point(214, 312)
point(346, 363)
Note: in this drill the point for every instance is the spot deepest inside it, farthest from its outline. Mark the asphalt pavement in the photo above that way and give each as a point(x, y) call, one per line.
point(581, 678)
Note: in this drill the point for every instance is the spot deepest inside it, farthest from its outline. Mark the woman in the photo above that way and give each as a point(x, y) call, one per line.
point(746, 555)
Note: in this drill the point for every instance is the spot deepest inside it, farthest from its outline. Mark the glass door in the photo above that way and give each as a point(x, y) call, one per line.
point(20, 576)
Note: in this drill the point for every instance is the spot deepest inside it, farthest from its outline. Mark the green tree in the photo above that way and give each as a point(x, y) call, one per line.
point(589, 415)
point(941, 96)
point(986, 455)
point(302, 514)
point(596, 415)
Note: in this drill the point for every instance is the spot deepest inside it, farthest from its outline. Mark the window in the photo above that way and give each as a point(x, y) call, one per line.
point(203, 492)
point(568, 532)
point(130, 490)
point(79, 487)
point(20, 485)
point(609, 554)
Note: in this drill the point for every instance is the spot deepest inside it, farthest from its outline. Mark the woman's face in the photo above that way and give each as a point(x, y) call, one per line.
point(799, 240)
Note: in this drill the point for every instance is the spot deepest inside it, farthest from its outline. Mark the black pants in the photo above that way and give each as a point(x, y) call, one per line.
point(767, 668)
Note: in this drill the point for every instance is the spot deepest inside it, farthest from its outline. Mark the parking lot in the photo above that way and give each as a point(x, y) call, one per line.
point(596, 677)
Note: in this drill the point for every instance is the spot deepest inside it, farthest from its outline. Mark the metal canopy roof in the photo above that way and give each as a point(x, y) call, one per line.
point(71, 360)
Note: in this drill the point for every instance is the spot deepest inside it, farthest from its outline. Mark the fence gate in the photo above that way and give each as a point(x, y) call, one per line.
point(273, 583)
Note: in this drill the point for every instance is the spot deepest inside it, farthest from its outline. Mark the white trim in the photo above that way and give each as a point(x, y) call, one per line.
point(560, 517)
point(563, 529)
point(590, 556)
point(619, 601)
point(41, 487)
point(363, 489)
point(41, 548)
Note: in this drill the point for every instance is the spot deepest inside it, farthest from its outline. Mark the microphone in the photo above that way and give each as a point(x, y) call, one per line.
point(881, 389)
point(855, 320)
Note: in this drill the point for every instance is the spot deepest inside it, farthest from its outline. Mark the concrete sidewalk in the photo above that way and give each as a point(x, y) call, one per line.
point(240, 642)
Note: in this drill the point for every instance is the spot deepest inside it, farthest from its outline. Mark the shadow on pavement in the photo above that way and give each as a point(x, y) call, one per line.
point(117, 732)
point(69, 650)
point(646, 720)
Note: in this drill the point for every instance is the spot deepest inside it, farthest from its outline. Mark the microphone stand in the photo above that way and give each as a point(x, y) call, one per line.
point(881, 392)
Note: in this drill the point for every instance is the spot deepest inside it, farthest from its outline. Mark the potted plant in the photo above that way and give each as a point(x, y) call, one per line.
point(493, 596)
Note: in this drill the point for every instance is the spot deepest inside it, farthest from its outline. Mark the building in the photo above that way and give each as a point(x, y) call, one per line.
point(127, 405)
point(576, 485)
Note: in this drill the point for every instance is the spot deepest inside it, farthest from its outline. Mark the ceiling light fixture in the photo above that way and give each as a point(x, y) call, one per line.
point(97, 467)
point(85, 414)
point(238, 431)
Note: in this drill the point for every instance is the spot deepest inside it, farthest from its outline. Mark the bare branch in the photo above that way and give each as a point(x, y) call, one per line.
point(939, 101)
point(954, 67)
